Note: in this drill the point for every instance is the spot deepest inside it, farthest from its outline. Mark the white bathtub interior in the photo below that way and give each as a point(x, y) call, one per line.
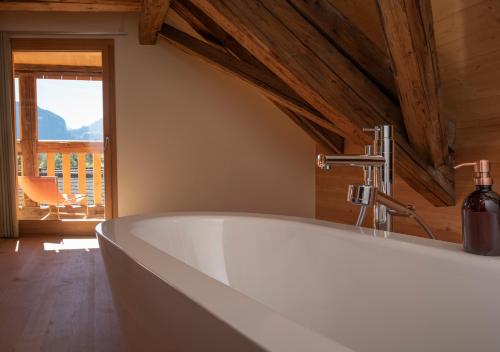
point(366, 293)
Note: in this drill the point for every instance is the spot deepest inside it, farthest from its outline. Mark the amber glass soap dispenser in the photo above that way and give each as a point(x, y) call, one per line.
point(481, 213)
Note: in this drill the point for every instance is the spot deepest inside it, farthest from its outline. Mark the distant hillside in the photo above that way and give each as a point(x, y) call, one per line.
point(53, 127)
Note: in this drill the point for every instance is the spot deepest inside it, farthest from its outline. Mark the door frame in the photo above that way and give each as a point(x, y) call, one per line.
point(106, 47)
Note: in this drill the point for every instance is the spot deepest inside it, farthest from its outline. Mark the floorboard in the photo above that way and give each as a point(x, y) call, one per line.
point(55, 301)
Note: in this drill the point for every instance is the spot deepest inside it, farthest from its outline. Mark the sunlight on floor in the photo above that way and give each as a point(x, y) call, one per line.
point(72, 243)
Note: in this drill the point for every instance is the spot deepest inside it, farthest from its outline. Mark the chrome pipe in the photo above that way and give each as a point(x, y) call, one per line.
point(361, 216)
point(384, 146)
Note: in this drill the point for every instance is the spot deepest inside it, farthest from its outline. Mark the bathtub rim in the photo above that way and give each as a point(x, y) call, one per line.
point(298, 334)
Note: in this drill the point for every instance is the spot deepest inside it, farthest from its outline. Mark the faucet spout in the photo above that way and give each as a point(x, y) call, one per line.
point(400, 209)
point(325, 162)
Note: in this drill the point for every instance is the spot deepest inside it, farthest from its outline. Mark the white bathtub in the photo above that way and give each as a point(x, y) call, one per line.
point(244, 282)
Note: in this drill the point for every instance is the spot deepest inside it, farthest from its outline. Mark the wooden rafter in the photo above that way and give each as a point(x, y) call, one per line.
point(214, 34)
point(304, 59)
point(409, 36)
point(354, 44)
point(72, 6)
point(153, 15)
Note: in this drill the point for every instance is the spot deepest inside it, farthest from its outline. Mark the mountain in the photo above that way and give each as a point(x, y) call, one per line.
point(92, 132)
point(53, 127)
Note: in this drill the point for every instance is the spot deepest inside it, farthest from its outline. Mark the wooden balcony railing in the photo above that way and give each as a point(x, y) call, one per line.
point(67, 148)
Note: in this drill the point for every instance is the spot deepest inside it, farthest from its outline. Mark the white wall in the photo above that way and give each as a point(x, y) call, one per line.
point(190, 137)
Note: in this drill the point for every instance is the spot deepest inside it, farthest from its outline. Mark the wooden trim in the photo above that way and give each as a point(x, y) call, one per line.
point(76, 6)
point(109, 129)
point(64, 76)
point(70, 147)
point(152, 17)
point(106, 47)
point(96, 159)
point(29, 228)
point(66, 147)
point(59, 71)
point(31, 68)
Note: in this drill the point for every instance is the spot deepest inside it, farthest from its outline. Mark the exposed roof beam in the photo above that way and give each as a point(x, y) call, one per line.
point(346, 37)
point(269, 86)
point(214, 34)
point(153, 15)
point(297, 53)
point(72, 6)
point(409, 35)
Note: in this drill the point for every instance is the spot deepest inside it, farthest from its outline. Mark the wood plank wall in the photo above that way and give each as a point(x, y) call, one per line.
point(468, 46)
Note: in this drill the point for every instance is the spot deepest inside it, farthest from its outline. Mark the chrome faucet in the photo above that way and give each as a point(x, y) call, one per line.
point(376, 191)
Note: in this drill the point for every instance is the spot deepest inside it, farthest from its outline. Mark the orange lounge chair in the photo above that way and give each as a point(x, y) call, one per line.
point(43, 189)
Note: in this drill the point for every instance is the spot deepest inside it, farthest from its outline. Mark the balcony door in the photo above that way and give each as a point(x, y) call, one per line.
point(64, 117)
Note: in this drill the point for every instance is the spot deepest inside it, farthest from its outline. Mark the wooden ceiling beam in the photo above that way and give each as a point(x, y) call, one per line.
point(409, 35)
point(348, 39)
point(214, 34)
point(71, 6)
point(152, 17)
point(278, 36)
point(269, 86)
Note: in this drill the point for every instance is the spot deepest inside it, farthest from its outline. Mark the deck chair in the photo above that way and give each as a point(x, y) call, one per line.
point(43, 189)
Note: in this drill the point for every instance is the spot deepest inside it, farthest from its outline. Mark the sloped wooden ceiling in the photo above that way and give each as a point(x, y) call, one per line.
point(320, 69)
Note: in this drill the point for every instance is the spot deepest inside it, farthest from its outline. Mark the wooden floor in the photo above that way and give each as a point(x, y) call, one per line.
point(54, 301)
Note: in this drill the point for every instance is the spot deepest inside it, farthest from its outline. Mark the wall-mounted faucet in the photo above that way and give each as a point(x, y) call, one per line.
point(376, 191)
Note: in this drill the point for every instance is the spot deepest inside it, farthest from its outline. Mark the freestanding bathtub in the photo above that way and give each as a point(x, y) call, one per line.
point(246, 282)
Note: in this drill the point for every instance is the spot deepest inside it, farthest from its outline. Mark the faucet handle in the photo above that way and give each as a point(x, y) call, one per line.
point(375, 130)
point(381, 132)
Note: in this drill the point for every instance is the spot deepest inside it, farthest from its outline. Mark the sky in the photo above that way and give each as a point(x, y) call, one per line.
point(78, 102)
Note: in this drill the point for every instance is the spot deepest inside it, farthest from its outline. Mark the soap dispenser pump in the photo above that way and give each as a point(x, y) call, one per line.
point(481, 213)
